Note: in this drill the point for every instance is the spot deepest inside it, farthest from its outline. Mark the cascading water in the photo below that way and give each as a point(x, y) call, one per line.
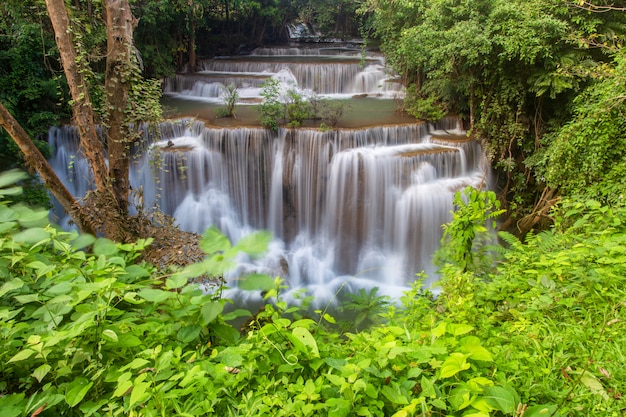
point(339, 72)
point(348, 208)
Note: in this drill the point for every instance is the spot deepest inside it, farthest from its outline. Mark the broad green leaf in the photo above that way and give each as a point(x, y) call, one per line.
point(210, 311)
point(155, 295)
point(440, 330)
point(471, 345)
point(110, 335)
point(453, 364)
point(306, 338)
point(188, 333)
point(41, 371)
point(214, 241)
point(27, 298)
point(542, 410)
point(338, 407)
point(459, 329)
point(11, 177)
point(176, 281)
point(136, 271)
point(8, 286)
point(106, 247)
point(22, 355)
point(408, 410)
point(82, 241)
point(254, 282)
point(135, 364)
point(139, 393)
point(28, 217)
point(12, 405)
point(393, 395)
point(76, 391)
point(254, 244)
point(500, 399)
point(33, 235)
point(594, 385)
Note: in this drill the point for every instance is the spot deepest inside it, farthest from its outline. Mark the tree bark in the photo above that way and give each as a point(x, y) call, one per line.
point(36, 160)
point(81, 107)
point(120, 25)
point(114, 215)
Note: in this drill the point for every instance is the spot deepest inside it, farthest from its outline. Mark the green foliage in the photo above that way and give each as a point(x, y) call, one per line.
point(29, 87)
point(551, 311)
point(297, 109)
point(294, 109)
point(230, 97)
point(584, 158)
point(271, 110)
point(427, 108)
point(465, 239)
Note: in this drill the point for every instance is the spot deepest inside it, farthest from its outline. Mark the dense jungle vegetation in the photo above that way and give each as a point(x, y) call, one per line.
point(531, 327)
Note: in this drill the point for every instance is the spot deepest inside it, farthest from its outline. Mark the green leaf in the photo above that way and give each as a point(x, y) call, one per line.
point(139, 393)
point(471, 345)
point(135, 364)
point(255, 244)
point(76, 391)
point(22, 355)
point(338, 407)
point(453, 364)
point(440, 330)
point(41, 371)
point(12, 405)
point(305, 338)
point(11, 177)
point(214, 241)
point(188, 333)
point(542, 410)
point(459, 329)
point(393, 395)
point(500, 399)
point(594, 385)
point(155, 295)
point(256, 282)
point(82, 241)
point(33, 235)
point(176, 281)
point(110, 335)
point(8, 286)
point(210, 311)
point(105, 247)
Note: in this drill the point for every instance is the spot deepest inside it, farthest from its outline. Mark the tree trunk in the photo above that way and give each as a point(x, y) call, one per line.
point(81, 107)
point(114, 217)
point(120, 24)
point(35, 159)
point(192, 43)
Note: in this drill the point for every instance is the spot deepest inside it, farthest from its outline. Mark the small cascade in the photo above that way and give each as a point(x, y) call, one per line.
point(334, 71)
point(347, 208)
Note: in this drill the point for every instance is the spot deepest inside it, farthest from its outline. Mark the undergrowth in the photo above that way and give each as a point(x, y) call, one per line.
point(86, 329)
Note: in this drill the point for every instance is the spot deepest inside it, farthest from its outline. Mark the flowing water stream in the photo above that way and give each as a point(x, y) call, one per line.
point(348, 208)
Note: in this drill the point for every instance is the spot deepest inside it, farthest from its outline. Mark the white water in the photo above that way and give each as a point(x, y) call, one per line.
point(355, 208)
point(348, 209)
point(338, 72)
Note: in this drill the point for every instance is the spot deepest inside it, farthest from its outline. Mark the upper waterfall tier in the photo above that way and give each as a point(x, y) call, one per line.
point(327, 71)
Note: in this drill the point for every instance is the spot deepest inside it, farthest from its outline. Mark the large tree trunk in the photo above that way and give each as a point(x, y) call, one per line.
point(36, 160)
point(119, 71)
point(114, 216)
point(81, 107)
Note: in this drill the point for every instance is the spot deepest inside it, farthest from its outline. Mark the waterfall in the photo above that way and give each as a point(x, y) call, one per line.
point(328, 71)
point(355, 207)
